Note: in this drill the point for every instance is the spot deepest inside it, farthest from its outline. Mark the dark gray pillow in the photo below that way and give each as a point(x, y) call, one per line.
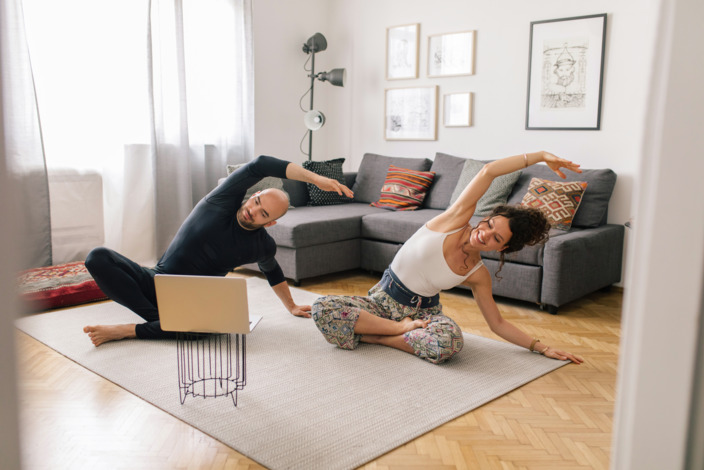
point(372, 174)
point(594, 208)
point(331, 169)
point(497, 193)
point(447, 170)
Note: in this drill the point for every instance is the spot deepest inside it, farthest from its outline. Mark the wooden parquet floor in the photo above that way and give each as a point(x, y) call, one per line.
point(73, 419)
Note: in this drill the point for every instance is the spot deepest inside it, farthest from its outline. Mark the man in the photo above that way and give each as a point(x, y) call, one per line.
point(221, 233)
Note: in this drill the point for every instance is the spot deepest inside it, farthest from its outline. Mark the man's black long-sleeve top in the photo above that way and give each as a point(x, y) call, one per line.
point(210, 242)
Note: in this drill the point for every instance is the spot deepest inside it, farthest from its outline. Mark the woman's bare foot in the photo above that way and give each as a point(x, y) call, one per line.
point(392, 341)
point(100, 334)
point(368, 324)
point(409, 325)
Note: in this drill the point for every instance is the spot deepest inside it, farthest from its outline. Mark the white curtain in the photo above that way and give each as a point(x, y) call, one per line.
point(201, 100)
point(155, 95)
point(24, 152)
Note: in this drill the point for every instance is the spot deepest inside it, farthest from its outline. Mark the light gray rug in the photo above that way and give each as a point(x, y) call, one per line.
point(307, 405)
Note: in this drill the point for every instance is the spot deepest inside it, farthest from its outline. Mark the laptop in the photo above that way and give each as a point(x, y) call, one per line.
point(204, 304)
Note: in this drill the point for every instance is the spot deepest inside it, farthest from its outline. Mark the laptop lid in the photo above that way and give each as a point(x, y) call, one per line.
point(204, 304)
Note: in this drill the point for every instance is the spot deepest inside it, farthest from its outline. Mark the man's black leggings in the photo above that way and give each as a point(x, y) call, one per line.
point(131, 285)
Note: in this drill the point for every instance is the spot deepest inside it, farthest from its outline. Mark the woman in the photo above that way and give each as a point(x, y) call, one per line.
point(403, 310)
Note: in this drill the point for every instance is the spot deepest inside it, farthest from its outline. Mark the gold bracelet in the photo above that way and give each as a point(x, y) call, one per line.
point(532, 345)
point(544, 350)
point(525, 159)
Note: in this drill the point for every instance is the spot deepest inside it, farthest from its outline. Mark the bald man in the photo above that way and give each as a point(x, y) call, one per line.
point(222, 232)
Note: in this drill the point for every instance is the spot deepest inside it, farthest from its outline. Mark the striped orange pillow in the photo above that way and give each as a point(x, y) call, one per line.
point(404, 189)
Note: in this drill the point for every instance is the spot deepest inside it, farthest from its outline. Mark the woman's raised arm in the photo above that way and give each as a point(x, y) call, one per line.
point(459, 213)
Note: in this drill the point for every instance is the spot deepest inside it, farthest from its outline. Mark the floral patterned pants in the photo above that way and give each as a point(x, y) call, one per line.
point(336, 316)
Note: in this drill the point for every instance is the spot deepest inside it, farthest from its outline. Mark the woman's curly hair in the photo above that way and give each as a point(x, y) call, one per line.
point(528, 225)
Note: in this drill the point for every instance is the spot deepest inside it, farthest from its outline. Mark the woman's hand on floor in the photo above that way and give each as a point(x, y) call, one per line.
point(562, 355)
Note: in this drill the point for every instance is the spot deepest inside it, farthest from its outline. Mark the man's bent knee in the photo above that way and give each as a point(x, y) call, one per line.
point(97, 258)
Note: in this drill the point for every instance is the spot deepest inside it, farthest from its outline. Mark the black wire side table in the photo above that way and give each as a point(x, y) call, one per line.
point(211, 365)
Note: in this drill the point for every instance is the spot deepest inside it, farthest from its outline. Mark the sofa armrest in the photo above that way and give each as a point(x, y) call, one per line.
point(581, 262)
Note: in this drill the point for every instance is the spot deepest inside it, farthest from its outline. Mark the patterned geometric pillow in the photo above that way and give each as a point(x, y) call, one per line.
point(333, 170)
point(404, 189)
point(558, 201)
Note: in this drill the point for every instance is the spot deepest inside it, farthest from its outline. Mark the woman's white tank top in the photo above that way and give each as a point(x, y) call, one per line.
point(420, 264)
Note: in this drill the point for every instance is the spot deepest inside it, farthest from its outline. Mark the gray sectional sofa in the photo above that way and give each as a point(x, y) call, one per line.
point(318, 240)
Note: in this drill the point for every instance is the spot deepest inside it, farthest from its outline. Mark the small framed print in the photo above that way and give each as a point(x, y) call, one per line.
point(402, 51)
point(411, 113)
point(457, 110)
point(565, 73)
point(451, 54)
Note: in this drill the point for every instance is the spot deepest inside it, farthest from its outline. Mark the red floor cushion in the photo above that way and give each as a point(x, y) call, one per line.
point(58, 286)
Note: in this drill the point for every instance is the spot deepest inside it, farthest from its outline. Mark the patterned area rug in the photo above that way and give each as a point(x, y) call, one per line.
point(57, 286)
point(307, 405)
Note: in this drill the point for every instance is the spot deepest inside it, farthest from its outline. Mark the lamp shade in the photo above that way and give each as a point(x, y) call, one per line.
point(335, 77)
point(315, 43)
point(314, 120)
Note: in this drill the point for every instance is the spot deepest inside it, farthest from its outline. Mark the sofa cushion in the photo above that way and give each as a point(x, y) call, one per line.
point(398, 228)
point(557, 200)
point(331, 169)
point(297, 192)
point(497, 193)
point(372, 173)
point(447, 169)
point(404, 189)
point(593, 210)
point(309, 226)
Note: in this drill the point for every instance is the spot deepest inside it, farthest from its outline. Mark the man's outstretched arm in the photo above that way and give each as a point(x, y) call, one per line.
point(284, 293)
point(298, 173)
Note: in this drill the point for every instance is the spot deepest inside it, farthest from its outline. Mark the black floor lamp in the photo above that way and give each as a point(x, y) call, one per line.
point(314, 119)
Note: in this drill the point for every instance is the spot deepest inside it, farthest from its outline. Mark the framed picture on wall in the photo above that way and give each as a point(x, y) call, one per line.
point(565, 73)
point(451, 54)
point(411, 113)
point(457, 110)
point(402, 51)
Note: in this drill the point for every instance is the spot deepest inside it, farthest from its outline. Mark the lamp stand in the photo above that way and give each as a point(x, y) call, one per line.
point(314, 120)
point(312, 86)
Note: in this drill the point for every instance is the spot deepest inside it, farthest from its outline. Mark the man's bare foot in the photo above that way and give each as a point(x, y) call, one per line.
point(100, 334)
point(409, 325)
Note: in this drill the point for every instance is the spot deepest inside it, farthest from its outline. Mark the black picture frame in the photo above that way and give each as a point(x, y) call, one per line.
point(566, 73)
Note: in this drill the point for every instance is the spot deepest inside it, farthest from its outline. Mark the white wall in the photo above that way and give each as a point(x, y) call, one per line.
point(279, 30)
point(356, 40)
point(356, 33)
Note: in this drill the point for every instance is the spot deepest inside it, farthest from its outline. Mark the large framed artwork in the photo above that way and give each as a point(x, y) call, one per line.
point(411, 113)
point(565, 73)
point(451, 54)
point(402, 51)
